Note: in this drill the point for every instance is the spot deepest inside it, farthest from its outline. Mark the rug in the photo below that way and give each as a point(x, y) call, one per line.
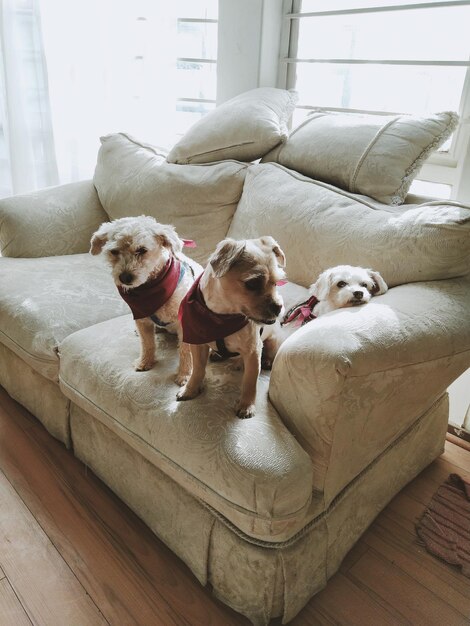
point(444, 527)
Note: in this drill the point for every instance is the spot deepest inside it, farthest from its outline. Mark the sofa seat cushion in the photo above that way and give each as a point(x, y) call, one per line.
point(43, 300)
point(253, 472)
point(319, 226)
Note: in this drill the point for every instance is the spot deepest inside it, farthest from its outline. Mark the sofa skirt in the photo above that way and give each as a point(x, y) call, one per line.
point(41, 396)
point(261, 580)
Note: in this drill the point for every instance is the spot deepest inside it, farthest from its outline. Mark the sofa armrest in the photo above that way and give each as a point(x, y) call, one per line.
point(349, 383)
point(51, 222)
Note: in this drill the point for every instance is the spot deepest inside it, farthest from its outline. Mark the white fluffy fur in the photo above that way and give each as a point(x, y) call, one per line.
point(345, 286)
point(121, 241)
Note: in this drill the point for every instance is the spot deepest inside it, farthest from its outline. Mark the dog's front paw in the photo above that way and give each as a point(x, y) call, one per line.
point(188, 393)
point(143, 366)
point(181, 379)
point(245, 411)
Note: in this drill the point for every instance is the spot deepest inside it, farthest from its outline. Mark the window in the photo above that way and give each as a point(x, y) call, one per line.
point(144, 67)
point(385, 56)
point(197, 61)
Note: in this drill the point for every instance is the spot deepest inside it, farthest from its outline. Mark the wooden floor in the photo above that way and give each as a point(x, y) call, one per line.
point(71, 554)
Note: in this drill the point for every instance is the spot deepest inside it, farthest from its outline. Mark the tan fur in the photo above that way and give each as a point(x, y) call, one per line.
point(121, 241)
point(224, 289)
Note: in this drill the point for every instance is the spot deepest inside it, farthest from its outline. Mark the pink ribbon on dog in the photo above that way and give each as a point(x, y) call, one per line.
point(302, 313)
point(281, 283)
point(189, 243)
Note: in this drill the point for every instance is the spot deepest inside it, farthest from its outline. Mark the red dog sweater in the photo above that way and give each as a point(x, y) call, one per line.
point(147, 298)
point(200, 324)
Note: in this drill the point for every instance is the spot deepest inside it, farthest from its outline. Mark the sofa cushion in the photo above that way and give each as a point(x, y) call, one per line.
point(319, 226)
point(243, 128)
point(252, 471)
point(132, 179)
point(44, 300)
point(375, 155)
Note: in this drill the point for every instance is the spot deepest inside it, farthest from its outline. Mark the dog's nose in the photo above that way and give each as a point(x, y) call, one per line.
point(358, 295)
point(126, 278)
point(275, 308)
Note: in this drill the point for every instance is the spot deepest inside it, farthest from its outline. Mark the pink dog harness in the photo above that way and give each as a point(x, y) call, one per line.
point(145, 299)
point(302, 312)
point(200, 324)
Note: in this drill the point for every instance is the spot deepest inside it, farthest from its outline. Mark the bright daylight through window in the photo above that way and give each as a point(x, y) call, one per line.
point(71, 72)
point(385, 56)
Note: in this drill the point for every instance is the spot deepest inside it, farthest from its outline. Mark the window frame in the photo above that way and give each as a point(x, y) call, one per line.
point(451, 167)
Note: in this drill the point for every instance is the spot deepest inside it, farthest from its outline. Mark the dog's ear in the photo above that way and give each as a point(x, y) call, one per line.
point(380, 286)
point(276, 248)
point(99, 238)
point(168, 237)
point(321, 288)
point(226, 254)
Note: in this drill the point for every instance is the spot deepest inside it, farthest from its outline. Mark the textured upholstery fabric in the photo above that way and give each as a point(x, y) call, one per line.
point(253, 471)
point(43, 300)
point(199, 200)
point(39, 395)
point(50, 222)
point(375, 155)
point(265, 580)
point(243, 128)
point(348, 383)
point(319, 226)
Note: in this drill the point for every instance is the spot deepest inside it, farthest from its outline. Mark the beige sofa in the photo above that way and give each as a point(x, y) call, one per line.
point(262, 509)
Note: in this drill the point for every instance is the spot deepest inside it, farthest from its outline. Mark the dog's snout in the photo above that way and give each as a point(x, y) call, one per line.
point(358, 295)
point(126, 278)
point(275, 308)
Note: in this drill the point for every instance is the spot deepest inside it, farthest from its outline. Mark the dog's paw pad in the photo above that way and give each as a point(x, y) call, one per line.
point(246, 412)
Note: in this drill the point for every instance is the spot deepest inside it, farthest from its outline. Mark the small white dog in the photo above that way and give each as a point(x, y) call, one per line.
point(336, 288)
point(152, 276)
point(345, 286)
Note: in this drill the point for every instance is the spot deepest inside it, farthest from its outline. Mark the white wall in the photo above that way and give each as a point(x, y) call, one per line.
point(249, 32)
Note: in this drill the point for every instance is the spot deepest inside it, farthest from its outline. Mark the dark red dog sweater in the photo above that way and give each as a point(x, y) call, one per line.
point(145, 299)
point(200, 324)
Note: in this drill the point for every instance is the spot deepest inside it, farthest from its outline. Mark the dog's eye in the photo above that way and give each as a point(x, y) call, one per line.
point(254, 284)
point(115, 252)
point(364, 285)
point(341, 284)
point(140, 251)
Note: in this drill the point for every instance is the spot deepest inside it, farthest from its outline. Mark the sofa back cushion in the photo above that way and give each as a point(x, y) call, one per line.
point(133, 179)
point(375, 155)
point(243, 128)
point(319, 226)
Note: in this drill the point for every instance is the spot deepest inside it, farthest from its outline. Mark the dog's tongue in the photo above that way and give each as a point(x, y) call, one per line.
point(281, 283)
point(189, 243)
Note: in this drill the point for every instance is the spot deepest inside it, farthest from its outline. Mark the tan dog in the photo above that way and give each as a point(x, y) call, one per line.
point(152, 275)
point(235, 296)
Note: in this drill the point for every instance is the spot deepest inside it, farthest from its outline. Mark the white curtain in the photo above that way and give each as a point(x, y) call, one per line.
point(27, 155)
point(74, 70)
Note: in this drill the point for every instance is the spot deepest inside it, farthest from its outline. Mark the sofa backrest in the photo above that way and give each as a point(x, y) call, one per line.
point(320, 226)
point(133, 178)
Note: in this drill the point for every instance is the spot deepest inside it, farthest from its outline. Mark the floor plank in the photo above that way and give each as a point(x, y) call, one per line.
point(11, 611)
point(343, 602)
point(127, 571)
point(41, 579)
point(387, 578)
point(398, 591)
